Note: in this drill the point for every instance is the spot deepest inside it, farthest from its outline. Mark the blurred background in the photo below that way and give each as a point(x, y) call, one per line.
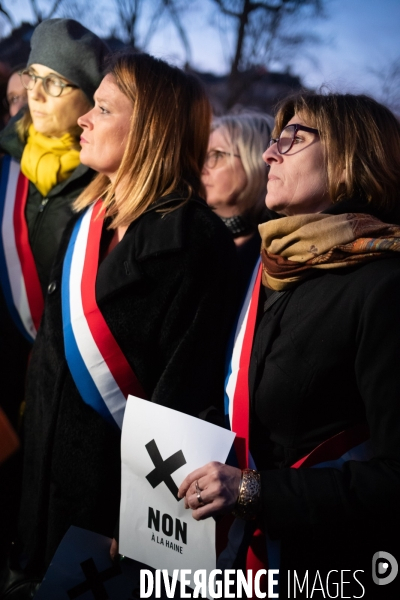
point(248, 53)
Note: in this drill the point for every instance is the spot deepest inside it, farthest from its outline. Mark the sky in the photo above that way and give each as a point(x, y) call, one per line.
point(358, 37)
point(362, 35)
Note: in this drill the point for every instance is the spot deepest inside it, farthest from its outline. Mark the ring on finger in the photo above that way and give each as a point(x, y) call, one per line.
point(198, 492)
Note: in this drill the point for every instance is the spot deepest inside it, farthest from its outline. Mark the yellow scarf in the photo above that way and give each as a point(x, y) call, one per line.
point(47, 161)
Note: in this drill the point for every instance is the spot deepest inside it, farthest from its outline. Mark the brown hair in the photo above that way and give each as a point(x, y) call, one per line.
point(248, 134)
point(23, 124)
point(360, 137)
point(167, 141)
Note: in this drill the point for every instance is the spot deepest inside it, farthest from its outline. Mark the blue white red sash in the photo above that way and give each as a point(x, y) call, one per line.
point(100, 370)
point(237, 379)
point(237, 408)
point(18, 274)
point(352, 444)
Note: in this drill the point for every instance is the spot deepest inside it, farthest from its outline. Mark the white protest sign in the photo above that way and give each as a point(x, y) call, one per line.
point(159, 447)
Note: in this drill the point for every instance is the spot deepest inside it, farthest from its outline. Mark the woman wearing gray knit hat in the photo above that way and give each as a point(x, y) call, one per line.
point(40, 177)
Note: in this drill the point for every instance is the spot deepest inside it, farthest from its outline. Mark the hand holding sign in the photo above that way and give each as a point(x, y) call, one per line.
point(218, 486)
point(158, 451)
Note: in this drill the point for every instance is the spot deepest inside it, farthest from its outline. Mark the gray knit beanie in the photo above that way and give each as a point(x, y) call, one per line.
point(70, 49)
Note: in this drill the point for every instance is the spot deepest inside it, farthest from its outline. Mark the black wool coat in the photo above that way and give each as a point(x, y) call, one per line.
point(46, 219)
point(168, 293)
point(325, 358)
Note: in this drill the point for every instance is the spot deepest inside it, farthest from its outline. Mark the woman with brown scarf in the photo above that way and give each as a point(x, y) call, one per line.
point(314, 396)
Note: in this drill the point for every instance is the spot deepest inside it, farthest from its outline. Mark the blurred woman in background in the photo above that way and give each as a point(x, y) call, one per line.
point(16, 94)
point(235, 180)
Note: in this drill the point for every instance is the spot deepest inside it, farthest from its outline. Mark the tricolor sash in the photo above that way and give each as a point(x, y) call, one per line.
point(18, 274)
point(237, 409)
point(237, 403)
point(100, 370)
point(352, 444)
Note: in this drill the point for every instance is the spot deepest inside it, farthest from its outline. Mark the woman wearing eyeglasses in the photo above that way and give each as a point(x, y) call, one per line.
point(143, 300)
point(314, 387)
point(40, 177)
point(235, 180)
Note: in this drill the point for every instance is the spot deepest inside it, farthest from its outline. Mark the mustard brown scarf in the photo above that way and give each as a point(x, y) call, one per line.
point(47, 161)
point(293, 247)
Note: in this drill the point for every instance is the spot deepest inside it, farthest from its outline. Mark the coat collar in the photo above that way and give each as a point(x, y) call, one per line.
point(155, 233)
point(361, 205)
point(158, 231)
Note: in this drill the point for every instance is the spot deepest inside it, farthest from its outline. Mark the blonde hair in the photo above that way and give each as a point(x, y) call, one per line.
point(248, 134)
point(360, 138)
point(167, 139)
point(23, 124)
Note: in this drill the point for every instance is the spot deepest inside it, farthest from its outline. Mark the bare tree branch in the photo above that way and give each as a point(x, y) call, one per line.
point(173, 11)
point(389, 79)
point(257, 24)
point(36, 11)
point(54, 8)
point(129, 13)
point(224, 9)
point(154, 22)
point(6, 15)
point(260, 32)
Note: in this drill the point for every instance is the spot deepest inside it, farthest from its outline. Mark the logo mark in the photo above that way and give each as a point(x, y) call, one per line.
point(164, 468)
point(384, 568)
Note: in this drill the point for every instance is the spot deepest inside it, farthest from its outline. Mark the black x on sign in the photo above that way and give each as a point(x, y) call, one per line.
point(94, 580)
point(164, 468)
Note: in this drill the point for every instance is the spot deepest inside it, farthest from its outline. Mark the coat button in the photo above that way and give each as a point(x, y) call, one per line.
point(51, 287)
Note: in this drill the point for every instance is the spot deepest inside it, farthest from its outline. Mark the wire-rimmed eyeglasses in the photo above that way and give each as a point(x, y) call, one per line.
point(214, 157)
point(52, 85)
point(288, 135)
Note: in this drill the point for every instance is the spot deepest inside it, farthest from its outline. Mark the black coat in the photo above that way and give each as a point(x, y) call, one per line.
point(168, 293)
point(46, 219)
point(326, 357)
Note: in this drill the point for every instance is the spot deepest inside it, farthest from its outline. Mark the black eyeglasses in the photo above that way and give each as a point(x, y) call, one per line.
point(288, 135)
point(215, 156)
point(52, 85)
